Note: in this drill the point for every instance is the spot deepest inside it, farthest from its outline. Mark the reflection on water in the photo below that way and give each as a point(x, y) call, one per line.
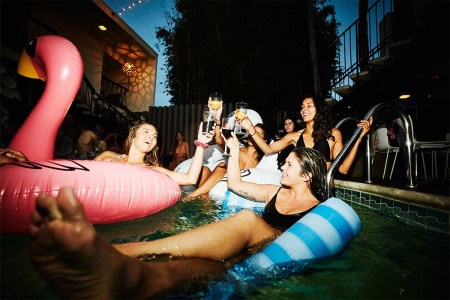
point(388, 259)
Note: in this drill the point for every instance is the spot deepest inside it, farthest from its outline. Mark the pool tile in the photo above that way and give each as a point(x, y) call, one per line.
point(375, 202)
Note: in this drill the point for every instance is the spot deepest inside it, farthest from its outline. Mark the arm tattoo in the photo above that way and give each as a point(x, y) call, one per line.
point(245, 194)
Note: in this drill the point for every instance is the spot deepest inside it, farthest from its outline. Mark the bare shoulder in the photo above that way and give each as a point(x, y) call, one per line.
point(336, 132)
point(106, 156)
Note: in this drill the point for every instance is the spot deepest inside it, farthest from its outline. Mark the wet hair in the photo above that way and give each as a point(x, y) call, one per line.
point(323, 121)
point(313, 165)
point(150, 158)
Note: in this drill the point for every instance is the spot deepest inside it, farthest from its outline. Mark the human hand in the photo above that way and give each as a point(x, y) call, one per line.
point(246, 123)
point(365, 126)
point(232, 142)
point(204, 138)
point(13, 154)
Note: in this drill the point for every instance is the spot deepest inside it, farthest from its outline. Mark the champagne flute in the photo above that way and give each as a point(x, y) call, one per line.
point(240, 114)
point(227, 129)
point(241, 110)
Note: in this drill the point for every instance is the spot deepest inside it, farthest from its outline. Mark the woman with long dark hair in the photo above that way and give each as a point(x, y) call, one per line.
point(319, 134)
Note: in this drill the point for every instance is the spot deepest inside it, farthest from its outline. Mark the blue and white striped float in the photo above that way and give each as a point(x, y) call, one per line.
point(326, 230)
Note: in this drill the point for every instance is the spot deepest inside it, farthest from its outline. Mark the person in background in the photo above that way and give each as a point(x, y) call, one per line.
point(319, 134)
point(180, 150)
point(78, 263)
point(88, 143)
point(290, 125)
point(141, 149)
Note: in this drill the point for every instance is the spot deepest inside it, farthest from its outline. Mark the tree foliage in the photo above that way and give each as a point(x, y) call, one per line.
point(253, 51)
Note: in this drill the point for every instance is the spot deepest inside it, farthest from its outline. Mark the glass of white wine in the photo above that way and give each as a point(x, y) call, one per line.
point(215, 101)
point(240, 114)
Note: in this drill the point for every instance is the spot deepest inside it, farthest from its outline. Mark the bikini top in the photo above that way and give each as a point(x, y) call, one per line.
point(321, 145)
point(181, 149)
point(122, 156)
point(118, 156)
point(278, 220)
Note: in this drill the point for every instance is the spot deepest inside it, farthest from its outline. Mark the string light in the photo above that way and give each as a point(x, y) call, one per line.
point(127, 7)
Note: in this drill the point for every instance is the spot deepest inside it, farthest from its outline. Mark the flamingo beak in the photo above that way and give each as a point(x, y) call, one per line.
point(26, 67)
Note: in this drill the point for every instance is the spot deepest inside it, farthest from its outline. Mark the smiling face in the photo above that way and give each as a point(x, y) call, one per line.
point(145, 138)
point(308, 110)
point(290, 171)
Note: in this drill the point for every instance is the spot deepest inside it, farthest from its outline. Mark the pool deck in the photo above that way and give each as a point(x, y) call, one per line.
point(420, 195)
point(427, 205)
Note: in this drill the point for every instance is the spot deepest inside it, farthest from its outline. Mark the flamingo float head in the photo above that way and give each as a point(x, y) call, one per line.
point(58, 61)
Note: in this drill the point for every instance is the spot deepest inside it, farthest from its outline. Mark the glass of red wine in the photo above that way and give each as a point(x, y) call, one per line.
point(227, 128)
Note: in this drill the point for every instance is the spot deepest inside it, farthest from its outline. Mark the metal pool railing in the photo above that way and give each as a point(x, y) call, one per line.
point(408, 147)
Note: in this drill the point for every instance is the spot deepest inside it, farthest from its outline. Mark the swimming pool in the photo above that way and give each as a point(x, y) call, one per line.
point(389, 259)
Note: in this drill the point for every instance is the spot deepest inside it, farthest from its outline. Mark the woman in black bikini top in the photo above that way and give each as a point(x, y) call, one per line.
point(319, 134)
point(321, 145)
point(278, 220)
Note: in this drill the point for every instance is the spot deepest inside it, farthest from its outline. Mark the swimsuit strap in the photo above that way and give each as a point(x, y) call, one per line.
point(118, 156)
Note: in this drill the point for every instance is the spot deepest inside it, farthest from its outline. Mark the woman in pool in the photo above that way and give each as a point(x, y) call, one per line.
point(141, 150)
point(66, 249)
point(303, 180)
point(319, 134)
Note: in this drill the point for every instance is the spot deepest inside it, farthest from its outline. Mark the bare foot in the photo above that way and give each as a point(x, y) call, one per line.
point(78, 263)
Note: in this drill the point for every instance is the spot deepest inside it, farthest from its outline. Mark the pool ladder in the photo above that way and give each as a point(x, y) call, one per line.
point(408, 147)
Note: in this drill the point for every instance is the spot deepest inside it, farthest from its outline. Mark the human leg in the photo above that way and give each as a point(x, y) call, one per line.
point(204, 174)
point(215, 176)
point(218, 241)
point(78, 263)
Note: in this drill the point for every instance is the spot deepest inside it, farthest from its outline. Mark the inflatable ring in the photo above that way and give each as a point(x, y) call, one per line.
point(110, 192)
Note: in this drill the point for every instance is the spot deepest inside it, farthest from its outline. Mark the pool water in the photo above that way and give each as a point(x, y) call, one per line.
point(388, 260)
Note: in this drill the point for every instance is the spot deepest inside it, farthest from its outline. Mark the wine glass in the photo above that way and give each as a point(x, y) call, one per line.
point(208, 121)
point(241, 110)
point(215, 101)
point(240, 114)
point(227, 129)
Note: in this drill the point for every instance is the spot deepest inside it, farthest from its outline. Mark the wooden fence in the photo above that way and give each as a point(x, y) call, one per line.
point(186, 118)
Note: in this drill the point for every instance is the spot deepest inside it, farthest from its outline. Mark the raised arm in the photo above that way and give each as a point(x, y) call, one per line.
point(348, 161)
point(217, 129)
point(275, 147)
point(249, 190)
point(191, 176)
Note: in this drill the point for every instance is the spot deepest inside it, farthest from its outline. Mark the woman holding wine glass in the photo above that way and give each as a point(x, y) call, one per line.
point(249, 157)
point(319, 134)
